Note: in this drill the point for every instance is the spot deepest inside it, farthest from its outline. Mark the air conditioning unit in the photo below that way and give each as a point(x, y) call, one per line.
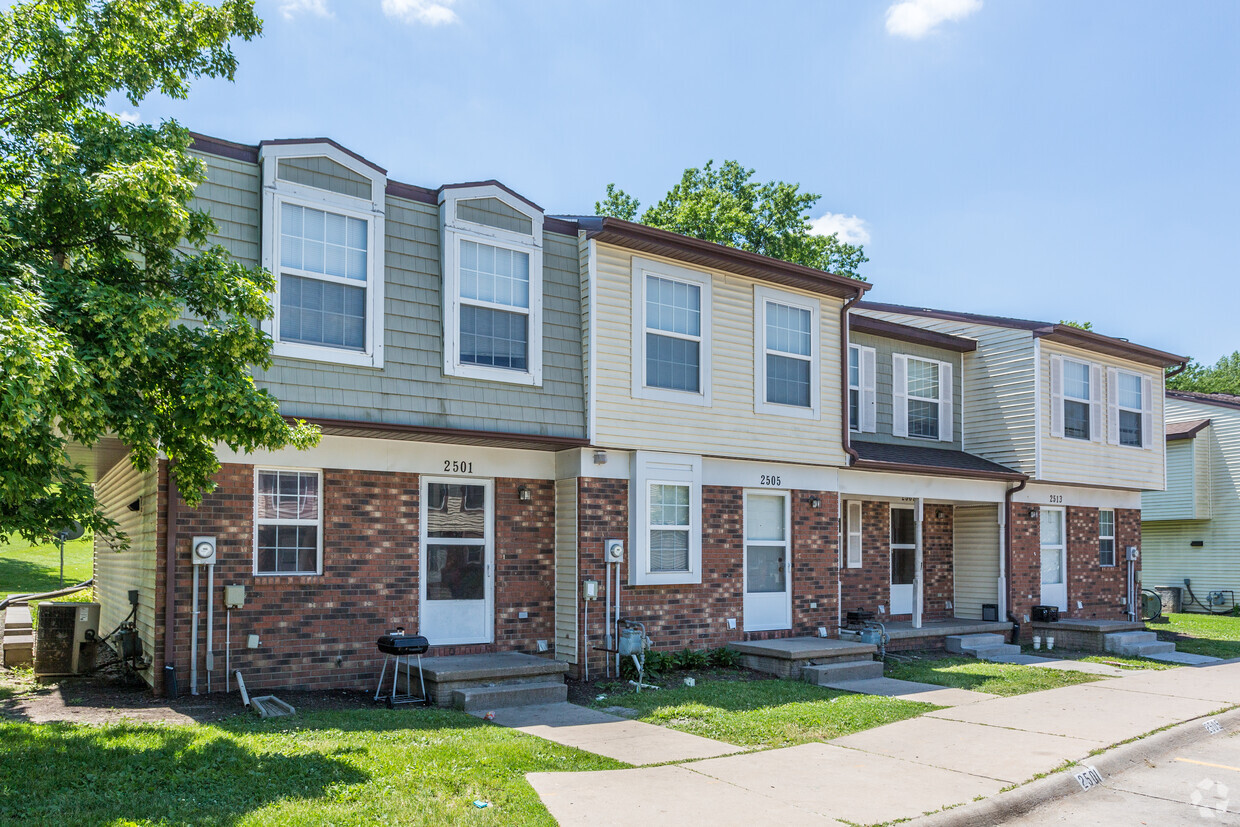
point(66, 638)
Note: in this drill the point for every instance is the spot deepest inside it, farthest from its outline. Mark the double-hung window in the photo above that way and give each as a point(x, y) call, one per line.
point(671, 333)
point(1076, 399)
point(862, 399)
point(667, 519)
point(323, 226)
point(922, 398)
point(1130, 412)
point(852, 529)
point(1106, 537)
point(786, 353)
point(492, 286)
point(1076, 396)
point(288, 521)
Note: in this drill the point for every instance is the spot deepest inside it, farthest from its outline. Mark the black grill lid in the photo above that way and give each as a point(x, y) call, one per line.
point(403, 644)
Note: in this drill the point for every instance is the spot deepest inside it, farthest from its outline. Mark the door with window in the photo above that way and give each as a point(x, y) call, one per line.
point(1054, 559)
point(456, 583)
point(903, 560)
point(768, 561)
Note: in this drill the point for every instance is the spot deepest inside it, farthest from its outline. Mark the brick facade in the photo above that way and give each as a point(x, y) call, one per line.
point(318, 631)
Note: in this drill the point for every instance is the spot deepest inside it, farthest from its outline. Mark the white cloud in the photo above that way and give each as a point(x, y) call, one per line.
point(915, 19)
point(292, 8)
point(128, 118)
point(430, 12)
point(848, 228)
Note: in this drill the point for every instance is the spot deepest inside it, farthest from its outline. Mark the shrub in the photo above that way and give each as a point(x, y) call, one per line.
point(724, 658)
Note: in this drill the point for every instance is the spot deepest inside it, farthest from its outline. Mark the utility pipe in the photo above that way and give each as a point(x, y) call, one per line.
point(618, 619)
point(606, 619)
point(170, 574)
point(193, 644)
point(227, 649)
point(210, 622)
point(919, 562)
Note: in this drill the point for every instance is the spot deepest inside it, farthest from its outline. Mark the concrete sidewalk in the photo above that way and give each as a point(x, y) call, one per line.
point(901, 770)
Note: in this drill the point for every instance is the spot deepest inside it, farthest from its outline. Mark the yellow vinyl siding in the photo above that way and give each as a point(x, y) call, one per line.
point(998, 392)
point(566, 570)
point(116, 572)
point(1099, 463)
point(729, 427)
point(976, 559)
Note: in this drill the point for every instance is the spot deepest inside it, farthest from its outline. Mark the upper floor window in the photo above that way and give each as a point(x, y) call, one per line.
point(671, 332)
point(1076, 395)
point(492, 286)
point(1106, 537)
point(323, 241)
point(922, 398)
point(862, 399)
point(786, 353)
point(667, 519)
point(1131, 408)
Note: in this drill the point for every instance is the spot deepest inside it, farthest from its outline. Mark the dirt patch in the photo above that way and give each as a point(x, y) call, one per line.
point(113, 694)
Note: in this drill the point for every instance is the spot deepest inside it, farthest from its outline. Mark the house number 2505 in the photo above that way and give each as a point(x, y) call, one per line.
point(456, 466)
point(768, 479)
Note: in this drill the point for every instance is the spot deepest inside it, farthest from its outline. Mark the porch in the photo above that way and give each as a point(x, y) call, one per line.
point(932, 634)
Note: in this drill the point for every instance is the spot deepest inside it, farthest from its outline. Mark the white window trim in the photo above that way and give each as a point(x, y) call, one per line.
point(1114, 408)
point(456, 230)
point(1059, 399)
point(867, 391)
point(762, 297)
point(319, 534)
point(276, 192)
point(643, 267)
point(901, 396)
point(664, 469)
point(854, 534)
point(1110, 537)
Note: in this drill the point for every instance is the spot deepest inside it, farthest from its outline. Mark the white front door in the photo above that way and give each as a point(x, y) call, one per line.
point(456, 586)
point(768, 561)
point(1054, 559)
point(903, 560)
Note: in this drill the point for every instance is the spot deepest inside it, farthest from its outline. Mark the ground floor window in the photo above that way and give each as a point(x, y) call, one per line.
point(288, 524)
point(1106, 537)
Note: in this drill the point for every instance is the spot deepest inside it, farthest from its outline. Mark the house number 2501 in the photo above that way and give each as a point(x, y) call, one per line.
point(768, 479)
point(456, 466)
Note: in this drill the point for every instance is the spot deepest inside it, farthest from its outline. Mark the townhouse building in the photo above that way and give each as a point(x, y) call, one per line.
point(519, 408)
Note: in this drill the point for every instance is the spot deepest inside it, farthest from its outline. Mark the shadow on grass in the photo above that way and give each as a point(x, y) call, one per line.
point(85, 775)
point(730, 696)
point(24, 577)
point(377, 719)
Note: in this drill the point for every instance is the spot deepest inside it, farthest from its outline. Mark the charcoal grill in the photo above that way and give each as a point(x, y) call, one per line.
point(396, 647)
point(858, 619)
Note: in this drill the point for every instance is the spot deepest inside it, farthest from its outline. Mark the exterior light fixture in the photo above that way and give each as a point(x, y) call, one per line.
point(815, 502)
point(523, 493)
point(1033, 513)
point(600, 457)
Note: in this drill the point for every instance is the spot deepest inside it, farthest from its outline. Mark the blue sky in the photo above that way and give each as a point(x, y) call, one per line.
point(1045, 159)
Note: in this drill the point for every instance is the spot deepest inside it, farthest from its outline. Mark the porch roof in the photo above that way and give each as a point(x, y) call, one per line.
point(1185, 430)
point(916, 459)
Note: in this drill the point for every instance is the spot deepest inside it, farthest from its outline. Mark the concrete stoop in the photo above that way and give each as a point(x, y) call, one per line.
point(1137, 644)
point(16, 638)
point(828, 673)
point(500, 696)
point(981, 646)
point(500, 679)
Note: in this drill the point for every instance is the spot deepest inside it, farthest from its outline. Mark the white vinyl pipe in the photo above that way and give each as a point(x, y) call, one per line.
point(227, 650)
point(617, 620)
point(606, 618)
point(210, 622)
point(918, 564)
point(193, 645)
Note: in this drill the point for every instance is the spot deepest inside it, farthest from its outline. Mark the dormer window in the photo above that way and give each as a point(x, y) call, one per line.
point(323, 241)
point(492, 285)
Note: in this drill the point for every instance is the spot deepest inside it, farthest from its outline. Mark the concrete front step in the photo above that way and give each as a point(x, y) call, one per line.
point(1137, 644)
point(968, 644)
point(17, 650)
point(996, 653)
point(828, 673)
point(480, 698)
point(447, 674)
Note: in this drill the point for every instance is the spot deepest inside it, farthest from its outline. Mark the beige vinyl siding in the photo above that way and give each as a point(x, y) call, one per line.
point(1167, 556)
point(976, 559)
point(1099, 463)
point(566, 570)
point(729, 427)
point(583, 264)
point(492, 212)
point(325, 174)
point(884, 349)
point(116, 572)
point(1178, 502)
point(998, 415)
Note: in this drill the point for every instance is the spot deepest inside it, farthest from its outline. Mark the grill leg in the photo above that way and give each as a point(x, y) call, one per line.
point(383, 672)
point(422, 682)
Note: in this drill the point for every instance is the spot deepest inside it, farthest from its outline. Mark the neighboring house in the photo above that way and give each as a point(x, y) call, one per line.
point(503, 392)
point(1192, 530)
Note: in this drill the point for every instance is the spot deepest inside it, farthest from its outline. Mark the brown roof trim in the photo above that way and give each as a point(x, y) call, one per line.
point(1218, 400)
point(491, 182)
point(936, 471)
point(344, 149)
point(651, 240)
point(1185, 430)
point(561, 226)
point(399, 431)
point(906, 333)
point(412, 192)
point(1061, 333)
point(223, 148)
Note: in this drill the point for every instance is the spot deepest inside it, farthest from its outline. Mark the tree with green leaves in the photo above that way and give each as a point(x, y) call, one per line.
point(1078, 325)
point(101, 256)
point(727, 206)
point(1221, 377)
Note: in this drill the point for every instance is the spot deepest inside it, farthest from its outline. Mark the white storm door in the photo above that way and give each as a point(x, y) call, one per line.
point(1054, 559)
point(456, 586)
point(768, 561)
point(903, 560)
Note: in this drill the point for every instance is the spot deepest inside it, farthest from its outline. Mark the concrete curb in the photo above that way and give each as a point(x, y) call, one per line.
point(1109, 764)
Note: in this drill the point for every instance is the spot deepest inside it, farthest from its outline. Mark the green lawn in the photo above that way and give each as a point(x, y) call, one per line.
point(982, 676)
point(29, 569)
point(766, 713)
point(371, 766)
point(1202, 634)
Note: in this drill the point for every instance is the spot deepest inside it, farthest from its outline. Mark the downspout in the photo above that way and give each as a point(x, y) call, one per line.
point(1007, 553)
point(1176, 371)
point(170, 573)
point(851, 453)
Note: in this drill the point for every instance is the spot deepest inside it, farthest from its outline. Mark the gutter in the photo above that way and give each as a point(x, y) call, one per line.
point(1175, 371)
point(846, 436)
point(931, 471)
point(170, 575)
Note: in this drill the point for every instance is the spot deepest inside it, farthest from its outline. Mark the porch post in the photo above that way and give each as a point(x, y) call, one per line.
point(918, 575)
point(1002, 584)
